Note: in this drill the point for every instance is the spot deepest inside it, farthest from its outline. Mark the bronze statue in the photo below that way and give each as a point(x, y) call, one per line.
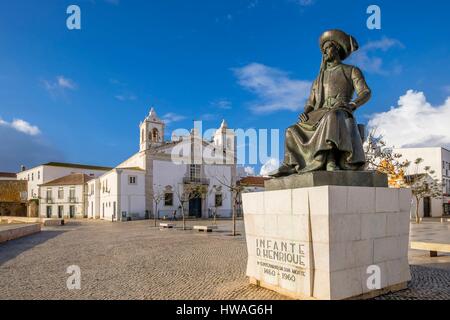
point(326, 136)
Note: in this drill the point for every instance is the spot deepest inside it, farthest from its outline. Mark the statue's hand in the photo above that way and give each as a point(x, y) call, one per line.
point(303, 117)
point(352, 106)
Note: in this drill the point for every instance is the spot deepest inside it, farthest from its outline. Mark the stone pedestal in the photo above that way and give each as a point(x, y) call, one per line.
point(328, 242)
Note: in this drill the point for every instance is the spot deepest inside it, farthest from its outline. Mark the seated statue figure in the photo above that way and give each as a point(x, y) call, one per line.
point(326, 136)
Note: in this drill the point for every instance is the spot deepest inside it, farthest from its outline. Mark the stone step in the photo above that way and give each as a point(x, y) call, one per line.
point(433, 247)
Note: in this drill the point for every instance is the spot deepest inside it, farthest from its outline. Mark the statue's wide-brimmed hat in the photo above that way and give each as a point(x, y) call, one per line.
point(345, 41)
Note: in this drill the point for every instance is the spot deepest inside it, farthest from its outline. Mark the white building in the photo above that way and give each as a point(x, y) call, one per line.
point(53, 170)
point(118, 194)
point(152, 181)
point(439, 161)
point(50, 171)
point(64, 197)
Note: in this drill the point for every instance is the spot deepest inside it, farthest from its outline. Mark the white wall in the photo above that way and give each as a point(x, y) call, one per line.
point(115, 199)
point(34, 177)
point(220, 175)
point(433, 158)
point(137, 160)
point(132, 196)
point(43, 174)
point(167, 173)
point(108, 195)
point(93, 199)
point(65, 202)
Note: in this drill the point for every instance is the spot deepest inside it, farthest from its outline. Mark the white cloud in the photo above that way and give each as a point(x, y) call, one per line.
point(274, 88)
point(59, 85)
point(221, 104)
point(21, 143)
point(209, 116)
point(304, 3)
point(271, 165)
point(252, 4)
point(125, 97)
point(366, 58)
point(172, 117)
point(250, 171)
point(66, 83)
point(21, 126)
point(414, 122)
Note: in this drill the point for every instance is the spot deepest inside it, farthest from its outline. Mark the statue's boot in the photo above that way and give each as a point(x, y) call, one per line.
point(283, 170)
point(350, 166)
point(331, 162)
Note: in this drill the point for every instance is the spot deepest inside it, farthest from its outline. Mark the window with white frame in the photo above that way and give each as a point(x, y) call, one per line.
point(218, 201)
point(168, 199)
point(49, 193)
point(194, 171)
point(60, 193)
point(72, 194)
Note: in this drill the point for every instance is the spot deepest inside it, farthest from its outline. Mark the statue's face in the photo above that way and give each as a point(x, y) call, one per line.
point(330, 52)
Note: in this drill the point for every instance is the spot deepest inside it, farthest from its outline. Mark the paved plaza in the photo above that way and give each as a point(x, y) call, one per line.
point(135, 260)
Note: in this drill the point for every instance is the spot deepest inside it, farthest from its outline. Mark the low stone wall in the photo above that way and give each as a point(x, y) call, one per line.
point(17, 209)
point(14, 231)
point(44, 221)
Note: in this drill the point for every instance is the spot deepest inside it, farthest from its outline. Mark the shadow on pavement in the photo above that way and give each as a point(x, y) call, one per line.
point(426, 283)
point(11, 249)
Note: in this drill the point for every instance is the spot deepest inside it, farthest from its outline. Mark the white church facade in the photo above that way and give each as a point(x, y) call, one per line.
point(153, 181)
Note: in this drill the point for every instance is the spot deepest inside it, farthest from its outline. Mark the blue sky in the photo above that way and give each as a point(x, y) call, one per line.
point(78, 96)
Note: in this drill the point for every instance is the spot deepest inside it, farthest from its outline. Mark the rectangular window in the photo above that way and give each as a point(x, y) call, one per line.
point(72, 194)
point(132, 179)
point(168, 199)
point(39, 175)
point(194, 171)
point(60, 212)
point(71, 211)
point(60, 193)
point(32, 176)
point(49, 194)
point(218, 200)
point(49, 211)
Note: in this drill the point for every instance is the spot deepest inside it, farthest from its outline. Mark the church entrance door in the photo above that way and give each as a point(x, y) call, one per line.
point(195, 207)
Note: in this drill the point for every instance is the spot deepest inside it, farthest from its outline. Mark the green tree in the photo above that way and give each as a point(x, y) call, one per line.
point(423, 185)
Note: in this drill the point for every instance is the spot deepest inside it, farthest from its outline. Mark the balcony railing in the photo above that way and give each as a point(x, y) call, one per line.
point(48, 200)
point(195, 180)
point(72, 199)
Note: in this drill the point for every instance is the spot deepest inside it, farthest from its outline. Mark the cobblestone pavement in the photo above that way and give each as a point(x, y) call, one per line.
point(135, 260)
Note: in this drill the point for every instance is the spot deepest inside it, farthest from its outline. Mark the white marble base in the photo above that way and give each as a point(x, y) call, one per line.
point(320, 242)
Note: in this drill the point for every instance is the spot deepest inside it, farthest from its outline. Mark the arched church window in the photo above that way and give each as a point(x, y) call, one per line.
point(155, 135)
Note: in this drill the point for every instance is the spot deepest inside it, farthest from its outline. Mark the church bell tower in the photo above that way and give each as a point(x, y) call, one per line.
point(151, 131)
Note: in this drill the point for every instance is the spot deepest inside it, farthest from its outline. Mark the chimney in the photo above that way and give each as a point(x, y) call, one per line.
point(23, 168)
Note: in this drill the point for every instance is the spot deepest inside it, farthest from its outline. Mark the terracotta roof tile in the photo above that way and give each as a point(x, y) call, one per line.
point(71, 179)
point(76, 165)
point(253, 181)
point(8, 175)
